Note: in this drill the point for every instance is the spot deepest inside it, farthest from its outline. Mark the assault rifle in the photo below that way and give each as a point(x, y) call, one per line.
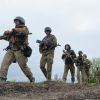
point(45, 43)
point(15, 34)
point(67, 54)
point(20, 36)
point(3, 37)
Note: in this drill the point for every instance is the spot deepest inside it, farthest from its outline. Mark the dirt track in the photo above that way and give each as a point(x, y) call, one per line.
point(48, 91)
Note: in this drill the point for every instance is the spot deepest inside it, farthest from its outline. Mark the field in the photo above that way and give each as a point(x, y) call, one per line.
point(48, 91)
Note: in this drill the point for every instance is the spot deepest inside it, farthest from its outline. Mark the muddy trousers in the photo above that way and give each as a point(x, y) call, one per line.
point(72, 71)
point(8, 59)
point(47, 59)
point(81, 75)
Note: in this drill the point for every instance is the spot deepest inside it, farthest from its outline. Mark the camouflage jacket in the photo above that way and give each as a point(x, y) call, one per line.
point(18, 42)
point(79, 61)
point(87, 63)
point(49, 45)
point(69, 56)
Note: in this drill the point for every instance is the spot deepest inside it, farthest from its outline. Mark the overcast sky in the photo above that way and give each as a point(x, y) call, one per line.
point(75, 22)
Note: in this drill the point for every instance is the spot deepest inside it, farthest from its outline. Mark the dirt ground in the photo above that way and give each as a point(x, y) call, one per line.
point(48, 91)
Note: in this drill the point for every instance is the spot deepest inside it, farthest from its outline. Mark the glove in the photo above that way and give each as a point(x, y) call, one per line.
point(7, 32)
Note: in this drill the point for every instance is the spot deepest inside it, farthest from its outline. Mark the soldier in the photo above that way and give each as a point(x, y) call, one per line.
point(80, 68)
point(87, 63)
point(97, 74)
point(46, 48)
point(68, 57)
point(17, 44)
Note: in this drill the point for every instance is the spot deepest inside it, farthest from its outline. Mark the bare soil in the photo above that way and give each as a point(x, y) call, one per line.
point(48, 91)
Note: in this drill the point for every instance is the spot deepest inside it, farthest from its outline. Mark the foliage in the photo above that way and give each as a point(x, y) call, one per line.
point(95, 64)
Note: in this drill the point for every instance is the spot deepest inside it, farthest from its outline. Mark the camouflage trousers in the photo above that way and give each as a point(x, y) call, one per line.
point(72, 71)
point(47, 59)
point(87, 73)
point(8, 59)
point(81, 75)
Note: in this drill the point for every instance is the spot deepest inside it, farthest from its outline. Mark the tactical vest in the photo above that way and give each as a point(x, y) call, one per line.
point(80, 61)
point(50, 44)
point(69, 60)
point(19, 41)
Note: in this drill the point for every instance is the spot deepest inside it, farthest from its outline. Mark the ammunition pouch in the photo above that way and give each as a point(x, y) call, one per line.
point(63, 56)
point(27, 51)
point(69, 60)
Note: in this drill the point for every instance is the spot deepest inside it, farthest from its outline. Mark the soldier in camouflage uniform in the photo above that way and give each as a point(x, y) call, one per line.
point(68, 57)
point(87, 63)
point(46, 48)
point(80, 68)
point(14, 50)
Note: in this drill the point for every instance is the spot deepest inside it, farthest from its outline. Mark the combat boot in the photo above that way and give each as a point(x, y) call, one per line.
point(32, 80)
point(2, 80)
point(64, 80)
point(73, 80)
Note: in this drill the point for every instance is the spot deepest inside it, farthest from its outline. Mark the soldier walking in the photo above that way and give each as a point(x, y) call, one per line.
point(68, 57)
point(18, 42)
point(87, 63)
point(47, 48)
point(81, 74)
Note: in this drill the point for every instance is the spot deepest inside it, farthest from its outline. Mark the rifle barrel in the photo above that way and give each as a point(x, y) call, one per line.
point(2, 37)
point(38, 41)
point(58, 44)
point(29, 33)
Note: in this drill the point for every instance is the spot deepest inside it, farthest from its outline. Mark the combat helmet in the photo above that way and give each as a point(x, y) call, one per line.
point(47, 29)
point(21, 19)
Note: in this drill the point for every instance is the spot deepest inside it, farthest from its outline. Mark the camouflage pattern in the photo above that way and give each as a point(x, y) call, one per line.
point(72, 71)
point(87, 63)
point(47, 56)
point(68, 58)
point(14, 41)
point(81, 73)
point(15, 53)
